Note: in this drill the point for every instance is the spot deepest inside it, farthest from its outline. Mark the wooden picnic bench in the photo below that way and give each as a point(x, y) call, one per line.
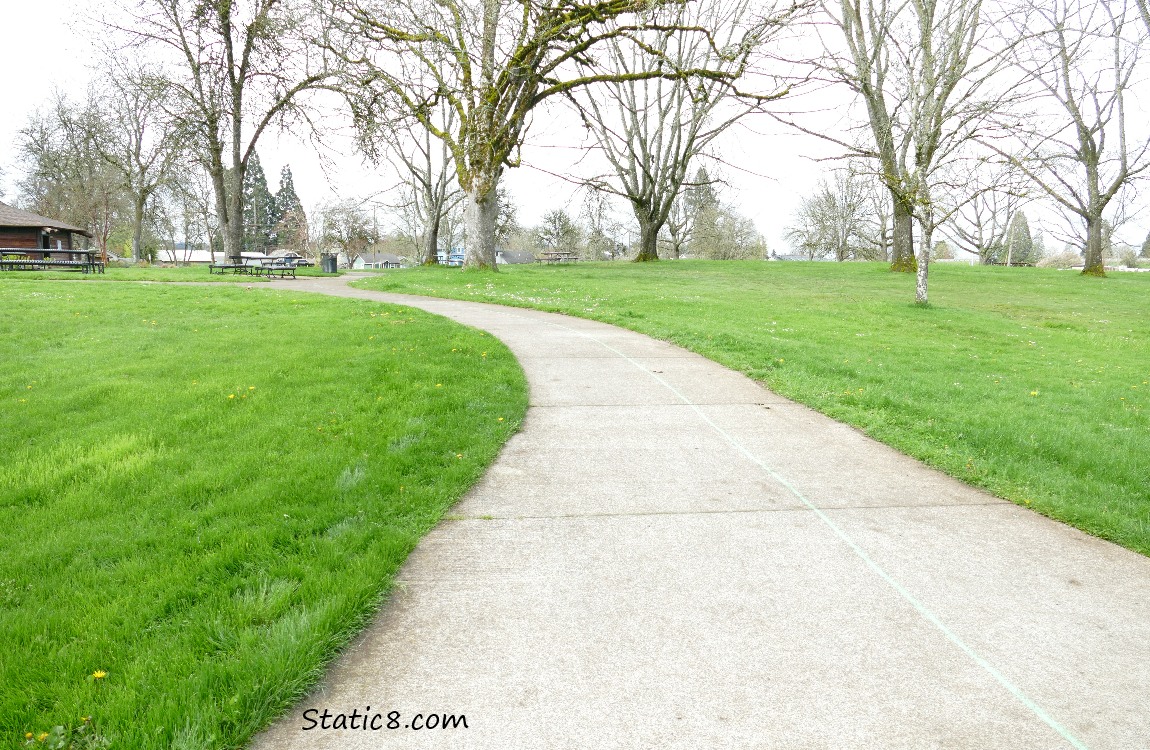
point(225, 267)
point(21, 261)
point(257, 267)
point(283, 270)
point(558, 256)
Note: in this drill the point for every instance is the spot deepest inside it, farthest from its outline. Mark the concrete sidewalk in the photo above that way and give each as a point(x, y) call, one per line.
point(669, 556)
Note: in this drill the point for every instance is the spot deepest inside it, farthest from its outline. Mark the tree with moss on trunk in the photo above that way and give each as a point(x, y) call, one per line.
point(922, 73)
point(1075, 141)
point(492, 62)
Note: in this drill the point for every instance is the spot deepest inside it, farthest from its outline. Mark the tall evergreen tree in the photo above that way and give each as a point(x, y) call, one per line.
point(700, 196)
point(1039, 245)
point(289, 221)
point(1019, 243)
point(1146, 246)
point(259, 209)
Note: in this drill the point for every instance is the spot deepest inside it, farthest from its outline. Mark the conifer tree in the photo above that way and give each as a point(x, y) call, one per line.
point(259, 209)
point(290, 220)
point(1019, 243)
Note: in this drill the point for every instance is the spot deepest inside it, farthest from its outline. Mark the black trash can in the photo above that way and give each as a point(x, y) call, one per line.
point(327, 263)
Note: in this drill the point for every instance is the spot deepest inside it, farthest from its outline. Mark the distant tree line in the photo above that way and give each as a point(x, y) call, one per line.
point(959, 113)
point(106, 164)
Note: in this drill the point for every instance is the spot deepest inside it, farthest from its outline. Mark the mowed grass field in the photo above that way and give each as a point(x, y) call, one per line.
point(206, 492)
point(1031, 383)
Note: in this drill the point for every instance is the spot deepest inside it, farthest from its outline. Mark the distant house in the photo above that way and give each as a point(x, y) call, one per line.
point(452, 258)
point(377, 260)
point(37, 235)
point(504, 257)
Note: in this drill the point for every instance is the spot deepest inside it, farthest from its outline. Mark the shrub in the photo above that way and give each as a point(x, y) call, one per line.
point(1061, 260)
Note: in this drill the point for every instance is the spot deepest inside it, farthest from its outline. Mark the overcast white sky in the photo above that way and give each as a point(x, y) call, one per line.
point(768, 170)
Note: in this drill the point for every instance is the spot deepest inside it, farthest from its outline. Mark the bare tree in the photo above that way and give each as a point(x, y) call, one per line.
point(599, 228)
point(1144, 10)
point(980, 225)
point(135, 139)
point(982, 205)
point(492, 62)
point(558, 231)
point(833, 220)
point(1077, 144)
point(922, 74)
point(651, 130)
point(430, 190)
point(65, 174)
point(347, 227)
point(231, 69)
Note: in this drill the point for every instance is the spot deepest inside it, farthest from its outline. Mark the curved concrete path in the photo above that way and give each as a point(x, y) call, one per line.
point(669, 556)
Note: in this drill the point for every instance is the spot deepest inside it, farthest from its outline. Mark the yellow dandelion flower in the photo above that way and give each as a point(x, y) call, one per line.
point(99, 674)
point(231, 395)
point(439, 385)
point(28, 735)
point(42, 736)
point(251, 387)
point(1034, 393)
point(501, 419)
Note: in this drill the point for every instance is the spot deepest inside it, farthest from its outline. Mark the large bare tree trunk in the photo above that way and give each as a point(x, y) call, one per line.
point(1094, 263)
point(431, 251)
point(648, 236)
point(479, 215)
point(138, 229)
point(232, 223)
point(902, 237)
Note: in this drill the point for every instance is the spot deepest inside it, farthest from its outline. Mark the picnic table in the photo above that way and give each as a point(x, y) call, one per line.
point(283, 270)
point(225, 267)
point(22, 260)
point(270, 267)
point(558, 256)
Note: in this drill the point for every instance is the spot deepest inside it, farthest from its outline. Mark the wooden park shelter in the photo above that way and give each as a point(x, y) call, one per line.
point(29, 241)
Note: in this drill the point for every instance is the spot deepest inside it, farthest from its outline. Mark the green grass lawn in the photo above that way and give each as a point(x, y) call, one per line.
point(205, 492)
point(1031, 383)
point(152, 273)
